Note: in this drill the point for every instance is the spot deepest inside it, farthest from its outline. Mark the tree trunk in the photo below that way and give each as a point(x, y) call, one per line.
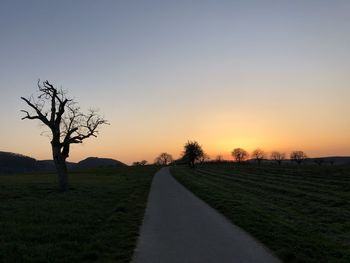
point(61, 168)
point(192, 164)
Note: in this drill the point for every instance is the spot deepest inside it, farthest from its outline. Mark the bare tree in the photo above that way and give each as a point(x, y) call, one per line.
point(163, 159)
point(67, 124)
point(193, 152)
point(239, 154)
point(258, 155)
point(279, 157)
point(298, 157)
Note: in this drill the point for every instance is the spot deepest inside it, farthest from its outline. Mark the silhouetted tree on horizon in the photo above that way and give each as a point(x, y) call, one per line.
point(279, 157)
point(239, 154)
point(258, 155)
point(204, 158)
point(68, 125)
point(141, 163)
point(193, 152)
point(298, 157)
point(163, 159)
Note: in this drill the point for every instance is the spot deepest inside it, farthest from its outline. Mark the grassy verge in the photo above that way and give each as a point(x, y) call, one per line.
point(302, 214)
point(98, 219)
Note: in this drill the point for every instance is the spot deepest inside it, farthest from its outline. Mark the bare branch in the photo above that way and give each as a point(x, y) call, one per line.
point(41, 116)
point(89, 129)
point(29, 116)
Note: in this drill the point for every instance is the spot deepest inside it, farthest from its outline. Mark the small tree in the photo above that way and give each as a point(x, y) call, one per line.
point(279, 157)
point(163, 159)
point(298, 157)
point(204, 158)
point(141, 163)
point(67, 124)
point(258, 155)
point(239, 154)
point(193, 152)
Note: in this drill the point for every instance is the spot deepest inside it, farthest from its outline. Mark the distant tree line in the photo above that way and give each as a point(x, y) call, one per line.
point(193, 154)
point(260, 155)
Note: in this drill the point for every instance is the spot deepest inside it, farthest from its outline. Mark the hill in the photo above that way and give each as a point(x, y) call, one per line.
point(13, 162)
point(95, 162)
point(18, 163)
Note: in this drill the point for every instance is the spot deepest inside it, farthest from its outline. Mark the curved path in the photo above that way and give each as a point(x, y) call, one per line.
point(180, 228)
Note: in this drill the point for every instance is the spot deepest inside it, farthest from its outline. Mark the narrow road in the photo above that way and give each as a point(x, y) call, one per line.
point(180, 228)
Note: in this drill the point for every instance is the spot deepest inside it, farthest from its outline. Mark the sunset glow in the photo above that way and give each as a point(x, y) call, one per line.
point(273, 75)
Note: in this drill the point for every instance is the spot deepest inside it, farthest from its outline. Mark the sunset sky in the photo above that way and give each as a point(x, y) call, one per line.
point(268, 74)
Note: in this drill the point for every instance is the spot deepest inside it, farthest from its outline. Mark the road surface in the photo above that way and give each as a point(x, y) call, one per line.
point(180, 228)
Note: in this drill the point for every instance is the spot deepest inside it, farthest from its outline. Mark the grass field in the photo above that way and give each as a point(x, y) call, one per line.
point(98, 219)
point(300, 213)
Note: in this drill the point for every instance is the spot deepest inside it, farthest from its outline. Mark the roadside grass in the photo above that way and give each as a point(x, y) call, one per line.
point(98, 219)
point(300, 213)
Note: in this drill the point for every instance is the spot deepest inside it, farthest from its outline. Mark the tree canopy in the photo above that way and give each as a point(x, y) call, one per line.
point(193, 152)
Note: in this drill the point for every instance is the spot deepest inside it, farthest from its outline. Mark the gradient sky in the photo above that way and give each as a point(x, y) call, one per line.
point(269, 74)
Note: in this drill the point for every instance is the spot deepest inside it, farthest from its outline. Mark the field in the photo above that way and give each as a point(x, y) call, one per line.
point(98, 219)
point(300, 213)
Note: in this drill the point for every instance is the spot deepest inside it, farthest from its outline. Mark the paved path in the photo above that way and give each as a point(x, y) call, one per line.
point(180, 228)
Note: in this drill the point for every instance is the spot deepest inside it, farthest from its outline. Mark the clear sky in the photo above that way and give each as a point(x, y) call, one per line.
point(269, 74)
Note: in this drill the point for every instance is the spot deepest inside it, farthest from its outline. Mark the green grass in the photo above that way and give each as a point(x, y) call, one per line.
point(98, 219)
point(300, 213)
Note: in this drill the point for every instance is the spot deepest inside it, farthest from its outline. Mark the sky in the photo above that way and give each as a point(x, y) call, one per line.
point(251, 74)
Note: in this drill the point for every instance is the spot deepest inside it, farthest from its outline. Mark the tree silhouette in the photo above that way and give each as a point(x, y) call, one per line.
point(193, 152)
point(279, 157)
point(204, 158)
point(141, 163)
point(258, 155)
point(163, 159)
point(68, 125)
point(298, 157)
point(239, 154)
